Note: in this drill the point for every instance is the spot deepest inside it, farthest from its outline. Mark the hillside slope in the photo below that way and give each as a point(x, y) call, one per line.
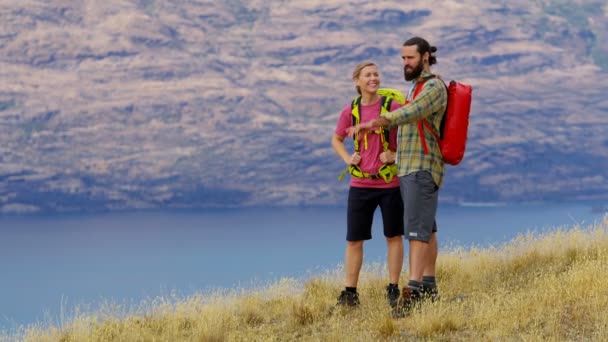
point(146, 104)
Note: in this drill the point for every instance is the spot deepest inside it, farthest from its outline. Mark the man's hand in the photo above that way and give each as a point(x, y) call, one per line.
point(360, 128)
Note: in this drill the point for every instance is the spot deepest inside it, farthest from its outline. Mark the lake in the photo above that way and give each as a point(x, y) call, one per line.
point(50, 264)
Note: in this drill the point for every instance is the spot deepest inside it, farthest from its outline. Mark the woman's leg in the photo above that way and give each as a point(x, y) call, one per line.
point(360, 213)
point(353, 260)
point(395, 258)
point(391, 206)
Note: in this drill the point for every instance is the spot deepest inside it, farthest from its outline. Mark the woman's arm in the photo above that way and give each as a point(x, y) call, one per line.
point(337, 142)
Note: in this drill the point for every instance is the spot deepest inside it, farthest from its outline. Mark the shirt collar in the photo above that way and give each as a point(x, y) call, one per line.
point(423, 74)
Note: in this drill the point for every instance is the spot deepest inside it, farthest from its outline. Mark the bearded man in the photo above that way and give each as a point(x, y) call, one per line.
point(421, 170)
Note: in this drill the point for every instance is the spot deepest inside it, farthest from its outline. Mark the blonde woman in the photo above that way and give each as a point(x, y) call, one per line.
point(369, 188)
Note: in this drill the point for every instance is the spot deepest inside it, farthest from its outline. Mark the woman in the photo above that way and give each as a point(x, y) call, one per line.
point(369, 188)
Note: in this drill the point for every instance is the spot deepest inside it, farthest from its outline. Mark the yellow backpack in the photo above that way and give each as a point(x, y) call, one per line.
point(386, 171)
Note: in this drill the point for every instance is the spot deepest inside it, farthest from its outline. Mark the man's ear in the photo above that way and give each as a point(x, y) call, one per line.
point(425, 58)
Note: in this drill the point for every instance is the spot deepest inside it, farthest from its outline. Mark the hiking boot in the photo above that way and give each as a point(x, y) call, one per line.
point(410, 299)
point(392, 294)
point(348, 298)
point(430, 293)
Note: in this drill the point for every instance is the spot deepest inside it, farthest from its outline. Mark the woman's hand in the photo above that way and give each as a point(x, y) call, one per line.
point(355, 159)
point(387, 157)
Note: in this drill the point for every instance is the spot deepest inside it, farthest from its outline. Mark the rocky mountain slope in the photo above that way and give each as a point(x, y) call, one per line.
point(154, 103)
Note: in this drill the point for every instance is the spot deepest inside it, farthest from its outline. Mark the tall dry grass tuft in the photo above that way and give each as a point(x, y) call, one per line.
point(386, 327)
point(535, 288)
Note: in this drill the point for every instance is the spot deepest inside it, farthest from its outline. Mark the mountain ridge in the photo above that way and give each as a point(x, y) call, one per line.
point(152, 104)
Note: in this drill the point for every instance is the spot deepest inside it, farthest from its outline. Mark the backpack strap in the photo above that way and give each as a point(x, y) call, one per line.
point(424, 122)
point(385, 136)
point(427, 124)
point(386, 172)
point(385, 106)
point(356, 115)
point(420, 131)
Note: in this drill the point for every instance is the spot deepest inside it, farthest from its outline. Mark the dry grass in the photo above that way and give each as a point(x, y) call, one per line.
point(549, 287)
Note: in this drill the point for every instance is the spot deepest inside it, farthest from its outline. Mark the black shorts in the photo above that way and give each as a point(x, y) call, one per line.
point(362, 203)
point(420, 194)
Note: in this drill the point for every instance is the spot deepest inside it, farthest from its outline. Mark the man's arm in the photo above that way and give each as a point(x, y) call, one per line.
point(432, 99)
point(367, 126)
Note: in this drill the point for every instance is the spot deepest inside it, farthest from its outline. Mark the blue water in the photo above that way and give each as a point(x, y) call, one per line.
point(54, 263)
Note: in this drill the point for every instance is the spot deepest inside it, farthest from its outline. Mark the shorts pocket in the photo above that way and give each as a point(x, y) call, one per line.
point(425, 181)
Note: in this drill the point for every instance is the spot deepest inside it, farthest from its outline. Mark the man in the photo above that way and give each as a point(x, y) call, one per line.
point(421, 170)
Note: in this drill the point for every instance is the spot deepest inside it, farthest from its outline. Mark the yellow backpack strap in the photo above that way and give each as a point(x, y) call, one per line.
point(384, 137)
point(355, 111)
point(392, 94)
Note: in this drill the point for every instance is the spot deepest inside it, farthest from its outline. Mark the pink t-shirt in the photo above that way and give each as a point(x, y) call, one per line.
point(370, 157)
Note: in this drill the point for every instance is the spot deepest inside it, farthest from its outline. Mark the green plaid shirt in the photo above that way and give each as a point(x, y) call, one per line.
point(430, 104)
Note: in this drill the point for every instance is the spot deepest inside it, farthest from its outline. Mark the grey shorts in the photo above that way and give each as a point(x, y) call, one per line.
point(419, 193)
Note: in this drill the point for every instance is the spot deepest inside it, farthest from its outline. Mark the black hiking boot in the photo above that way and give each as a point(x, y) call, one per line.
point(347, 298)
point(410, 299)
point(392, 294)
point(429, 293)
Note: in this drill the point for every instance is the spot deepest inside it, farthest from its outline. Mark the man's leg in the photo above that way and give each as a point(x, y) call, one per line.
point(429, 282)
point(420, 252)
point(419, 194)
point(423, 257)
point(429, 268)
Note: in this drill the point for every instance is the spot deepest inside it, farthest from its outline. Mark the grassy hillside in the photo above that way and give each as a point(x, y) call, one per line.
point(549, 287)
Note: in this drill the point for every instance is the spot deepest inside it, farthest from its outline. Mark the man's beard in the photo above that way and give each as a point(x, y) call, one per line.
point(414, 74)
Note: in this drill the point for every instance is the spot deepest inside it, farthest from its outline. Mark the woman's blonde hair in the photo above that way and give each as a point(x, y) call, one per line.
point(357, 72)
